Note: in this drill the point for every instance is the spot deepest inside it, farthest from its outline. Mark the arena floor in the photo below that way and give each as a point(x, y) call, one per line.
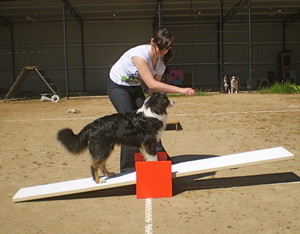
point(256, 199)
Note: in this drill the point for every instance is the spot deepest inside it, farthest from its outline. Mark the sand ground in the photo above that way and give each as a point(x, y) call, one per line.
point(256, 199)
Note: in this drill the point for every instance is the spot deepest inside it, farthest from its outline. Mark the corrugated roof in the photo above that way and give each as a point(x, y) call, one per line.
point(173, 12)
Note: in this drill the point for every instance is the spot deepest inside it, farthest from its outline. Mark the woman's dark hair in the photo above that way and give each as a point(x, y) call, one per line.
point(162, 38)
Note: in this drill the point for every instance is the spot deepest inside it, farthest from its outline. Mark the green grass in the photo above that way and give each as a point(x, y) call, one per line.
point(198, 93)
point(281, 88)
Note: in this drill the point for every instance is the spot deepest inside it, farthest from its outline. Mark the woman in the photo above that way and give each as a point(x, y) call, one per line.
point(145, 63)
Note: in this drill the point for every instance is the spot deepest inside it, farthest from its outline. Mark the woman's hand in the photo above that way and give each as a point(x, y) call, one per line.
point(153, 83)
point(187, 91)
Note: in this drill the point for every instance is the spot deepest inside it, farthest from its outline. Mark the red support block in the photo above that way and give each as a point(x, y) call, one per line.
point(161, 156)
point(153, 179)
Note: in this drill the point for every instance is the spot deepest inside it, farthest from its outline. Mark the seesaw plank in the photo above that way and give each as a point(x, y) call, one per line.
point(230, 161)
point(178, 170)
point(72, 187)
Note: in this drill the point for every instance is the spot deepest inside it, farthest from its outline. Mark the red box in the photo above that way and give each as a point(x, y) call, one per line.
point(153, 179)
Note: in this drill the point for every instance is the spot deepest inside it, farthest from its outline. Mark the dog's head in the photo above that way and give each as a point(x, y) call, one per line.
point(157, 104)
point(226, 79)
point(234, 79)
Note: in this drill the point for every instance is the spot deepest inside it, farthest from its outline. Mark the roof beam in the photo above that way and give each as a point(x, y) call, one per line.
point(292, 19)
point(72, 11)
point(234, 10)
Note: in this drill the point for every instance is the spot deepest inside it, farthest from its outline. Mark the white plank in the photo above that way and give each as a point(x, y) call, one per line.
point(179, 170)
point(72, 187)
point(230, 161)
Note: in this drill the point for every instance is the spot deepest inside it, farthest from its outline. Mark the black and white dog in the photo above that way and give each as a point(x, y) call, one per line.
point(226, 80)
point(234, 84)
point(141, 129)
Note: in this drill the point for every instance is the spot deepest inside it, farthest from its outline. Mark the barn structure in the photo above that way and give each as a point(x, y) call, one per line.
point(77, 41)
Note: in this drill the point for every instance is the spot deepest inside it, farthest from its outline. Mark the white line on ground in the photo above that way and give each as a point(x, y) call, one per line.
point(204, 113)
point(241, 112)
point(50, 119)
point(148, 216)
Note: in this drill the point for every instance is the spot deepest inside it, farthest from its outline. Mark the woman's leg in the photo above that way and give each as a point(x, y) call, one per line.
point(126, 99)
point(120, 97)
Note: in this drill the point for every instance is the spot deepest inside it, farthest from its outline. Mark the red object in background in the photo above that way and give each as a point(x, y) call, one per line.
point(175, 77)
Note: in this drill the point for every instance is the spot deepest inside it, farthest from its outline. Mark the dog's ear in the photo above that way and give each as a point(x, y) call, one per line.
point(151, 99)
point(158, 102)
point(158, 95)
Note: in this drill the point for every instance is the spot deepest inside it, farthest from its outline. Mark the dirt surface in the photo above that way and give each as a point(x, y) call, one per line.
point(252, 199)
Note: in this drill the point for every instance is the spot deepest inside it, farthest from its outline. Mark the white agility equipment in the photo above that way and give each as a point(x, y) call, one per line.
point(54, 98)
point(178, 170)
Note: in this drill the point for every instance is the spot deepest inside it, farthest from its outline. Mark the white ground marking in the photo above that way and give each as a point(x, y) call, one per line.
point(204, 113)
point(148, 216)
point(240, 112)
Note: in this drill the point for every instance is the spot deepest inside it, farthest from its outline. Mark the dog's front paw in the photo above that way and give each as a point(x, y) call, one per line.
point(101, 181)
point(152, 158)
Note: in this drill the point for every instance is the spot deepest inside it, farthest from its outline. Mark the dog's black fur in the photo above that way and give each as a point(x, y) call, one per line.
point(141, 129)
point(227, 83)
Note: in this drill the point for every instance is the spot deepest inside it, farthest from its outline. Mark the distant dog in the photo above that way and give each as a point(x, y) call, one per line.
point(141, 129)
point(226, 81)
point(234, 83)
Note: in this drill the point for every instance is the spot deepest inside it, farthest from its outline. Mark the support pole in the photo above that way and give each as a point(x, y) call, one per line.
point(283, 35)
point(82, 55)
point(193, 41)
point(79, 20)
point(249, 44)
point(159, 13)
point(7, 23)
point(221, 45)
point(12, 41)
point(292, 19)
point(65, 48)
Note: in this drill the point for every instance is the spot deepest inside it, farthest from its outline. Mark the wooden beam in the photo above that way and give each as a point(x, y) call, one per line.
point(178, 170)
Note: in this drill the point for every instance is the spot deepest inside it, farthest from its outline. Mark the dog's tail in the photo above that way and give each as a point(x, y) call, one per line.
point(75, 144)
